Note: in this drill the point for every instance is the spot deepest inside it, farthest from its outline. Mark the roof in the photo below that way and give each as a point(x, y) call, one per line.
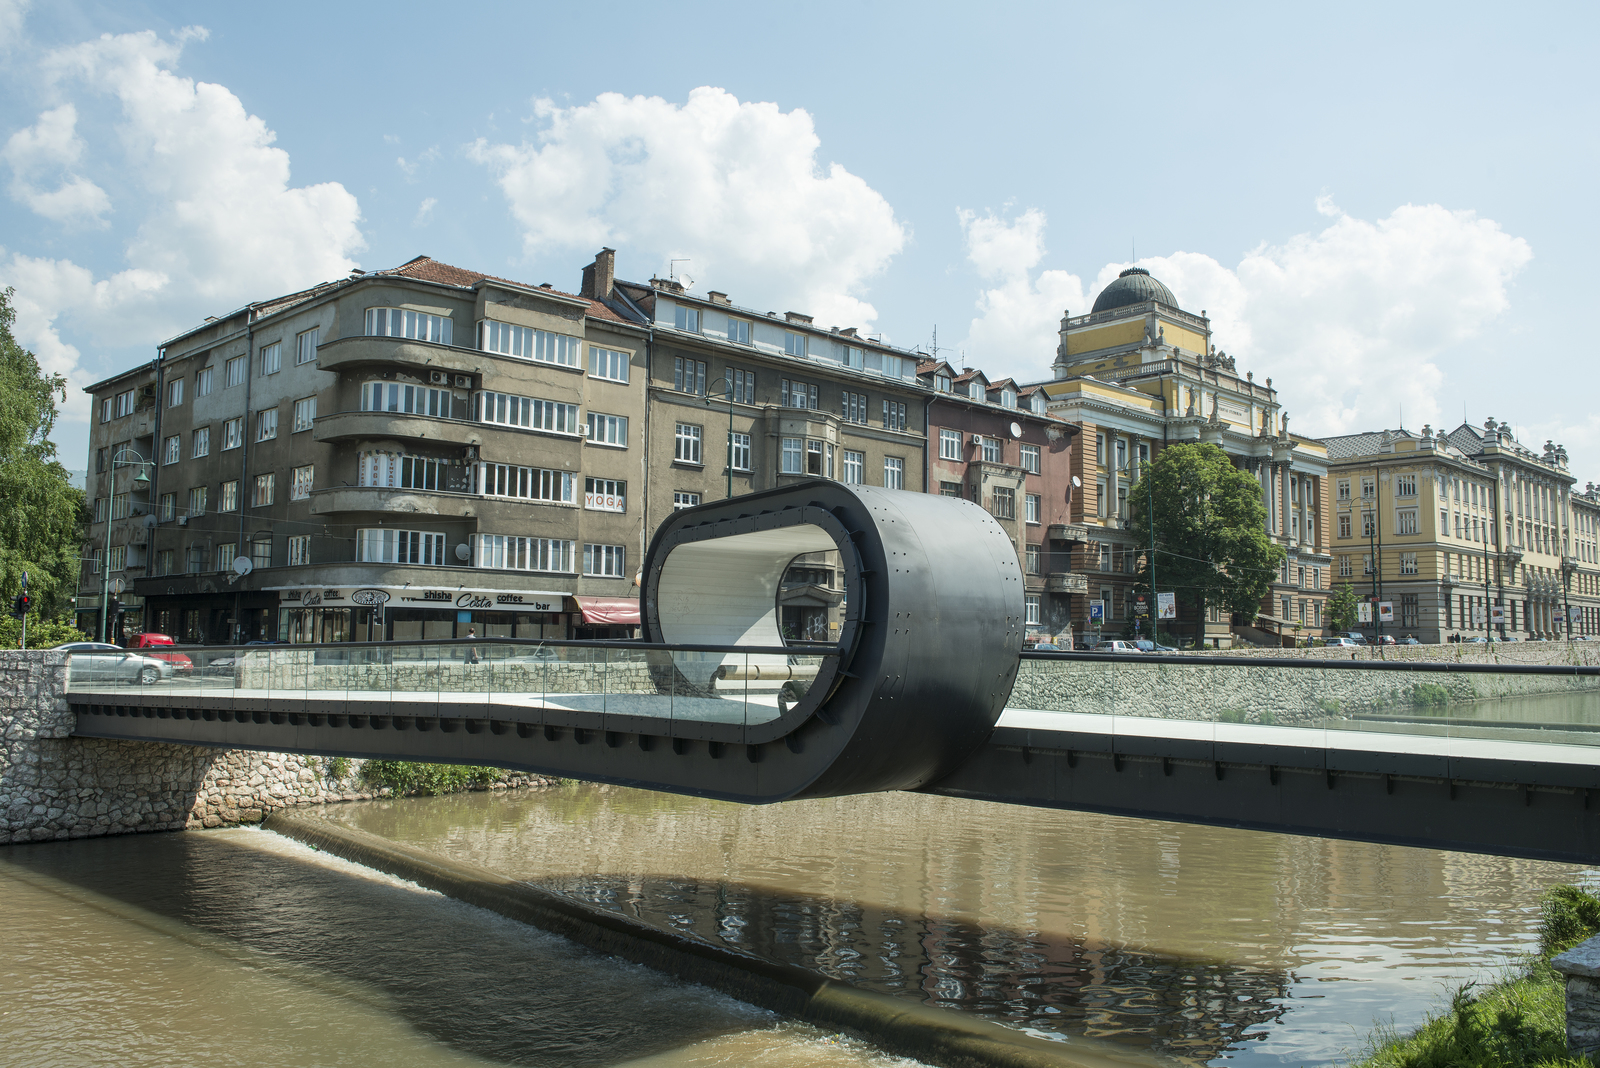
point(1363, 444)
point(426, 269)
point(1133, 286)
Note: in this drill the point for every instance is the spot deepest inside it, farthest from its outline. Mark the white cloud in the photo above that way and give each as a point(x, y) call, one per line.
point(219, 223)
point(734, 187)
point(12, 15)
point(1331, 315)
point(409, 168)
point(1018, 311)
point(425, 211)
point(51, 145)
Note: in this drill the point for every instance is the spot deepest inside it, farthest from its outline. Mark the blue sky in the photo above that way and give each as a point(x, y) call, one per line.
point(1383, 207)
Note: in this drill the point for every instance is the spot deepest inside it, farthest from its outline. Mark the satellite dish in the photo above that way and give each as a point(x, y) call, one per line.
point(1076, 482)
point(1016, 430)
point(463, 552)
point(242, 566)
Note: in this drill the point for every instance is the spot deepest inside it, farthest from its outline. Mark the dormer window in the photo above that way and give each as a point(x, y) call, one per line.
point(1036, 403)
point(941, 383)
point(975, 390)
point(686, 319)
point(1008, 398)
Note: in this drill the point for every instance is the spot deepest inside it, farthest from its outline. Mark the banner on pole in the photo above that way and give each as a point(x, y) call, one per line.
point(1364, 612)
point(1166, 606)
point(1385, 611)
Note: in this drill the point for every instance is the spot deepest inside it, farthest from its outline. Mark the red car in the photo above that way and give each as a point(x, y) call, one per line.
point(181, 664)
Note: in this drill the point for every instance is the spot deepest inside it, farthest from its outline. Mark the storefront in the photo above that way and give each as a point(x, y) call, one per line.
point(390, 613)
point(599, 618)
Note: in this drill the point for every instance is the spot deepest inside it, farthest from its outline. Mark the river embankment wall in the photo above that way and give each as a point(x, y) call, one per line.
point(55, 786)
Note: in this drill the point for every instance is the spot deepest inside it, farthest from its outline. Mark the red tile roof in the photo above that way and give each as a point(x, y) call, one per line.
point(430, 270)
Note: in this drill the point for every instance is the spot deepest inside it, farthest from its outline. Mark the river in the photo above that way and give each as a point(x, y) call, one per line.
point(1201, 944)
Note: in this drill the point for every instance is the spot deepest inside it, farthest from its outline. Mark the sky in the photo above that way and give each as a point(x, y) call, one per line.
point(1388, 209)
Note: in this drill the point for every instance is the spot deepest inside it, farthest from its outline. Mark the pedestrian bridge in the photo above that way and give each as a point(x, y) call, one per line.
point(922, 690)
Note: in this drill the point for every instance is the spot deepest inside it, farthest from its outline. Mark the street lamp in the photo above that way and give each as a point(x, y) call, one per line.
point(142, 480)
point(727, 392)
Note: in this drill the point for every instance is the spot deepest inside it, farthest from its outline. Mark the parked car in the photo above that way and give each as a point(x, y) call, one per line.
point(1408, 640)
point(1082, 645)
point(1117, 646)
point(1355, 636)
point(1048, 647)
point(1147, 646)
point(1340, 640)
point(1384, 639)
point(152, 643)
point(104, 662)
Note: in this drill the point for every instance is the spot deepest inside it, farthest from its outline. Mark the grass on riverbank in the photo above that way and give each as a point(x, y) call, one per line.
point(1519, 1021)
point(410, 777)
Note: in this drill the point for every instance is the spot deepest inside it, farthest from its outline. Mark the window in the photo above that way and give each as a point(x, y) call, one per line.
point(686, 444)
point(102, 456)
point(1100, 499)
point(794, 344)
point(799, 395)
point(234, 372)
point(1005, 502)
point(814, 460)
point(1408, 610)
point(941, 383)
point(742, 384)
point(225, 555)
point(105, 410)
point(173, 452)
point(1032, 502)
point(305, 413)
point(608, 364)
point(950, 489)
point(418, 326)
point(1028, 456)
point(529, 483)
point(541, 346)
point(894, 473)
point(174, 393)
point(792, 457)
point(202, 382)
point(267, 424)
point(739, 331)
point(232, 433)
point(1122, 454)
point(94, 561)
point(169, 507)
point(1301, 578)
point(1122, 502)
point(975, 390)
point(1008, 398)
point(164, 562)
point(604, 561)
point(1100, 449)
point(118, 560)
point(685, 318)
point(1369, 489)
point(261, 550)
point(853, 407)
point(689, 376)
point(197, 501)
point(195, 559)
point(1369, 524)
point(124, 404)
point(305, 345)
point(228, 499)
point(1036, 402)
point(1408, 563)
point(385, 469)
point(605, 495)
point(854, 357)
point(299, 550)
point(271, 358)
point(522, 554)
point(300, 482)
point(1031, 559)
point(949, 444)
point(855, 467)
point(991, 450)
point(1105, 556)
point(1031, 609)
point(740, 447)
point(1406, 521)
point(608, 429)
point(389, 546)
point(410, 400)
point(1344, 525)
point(200, 442)
point(1444, 524)
point(1405, 485)
point(265, 489)
point(682, 500)
point(1345, 570)
point(894, 415)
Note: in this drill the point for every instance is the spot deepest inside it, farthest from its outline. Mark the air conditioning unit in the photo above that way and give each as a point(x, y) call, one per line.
point(977, 439)
point(463, 381)
point(439, 378)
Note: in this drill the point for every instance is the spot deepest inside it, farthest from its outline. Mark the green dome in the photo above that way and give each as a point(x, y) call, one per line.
point(1133, 286)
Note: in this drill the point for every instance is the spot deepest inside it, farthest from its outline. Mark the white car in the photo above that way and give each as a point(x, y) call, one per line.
point(1117, 646)
point(104, 662)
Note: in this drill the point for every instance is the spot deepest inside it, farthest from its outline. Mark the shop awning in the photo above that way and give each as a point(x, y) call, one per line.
point(610, 611)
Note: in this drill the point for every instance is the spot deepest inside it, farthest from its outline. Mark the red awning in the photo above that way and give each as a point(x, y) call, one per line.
point(612, 611)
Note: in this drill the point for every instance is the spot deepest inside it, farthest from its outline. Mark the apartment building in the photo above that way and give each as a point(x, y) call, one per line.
point(1138, 373)
point(409, 453)
point(993, 443)
point(122, 453)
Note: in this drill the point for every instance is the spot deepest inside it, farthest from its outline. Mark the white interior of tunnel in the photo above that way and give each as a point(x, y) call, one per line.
point(723, 591)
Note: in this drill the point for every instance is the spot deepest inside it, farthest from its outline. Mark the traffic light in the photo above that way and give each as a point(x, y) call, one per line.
point(21, 604)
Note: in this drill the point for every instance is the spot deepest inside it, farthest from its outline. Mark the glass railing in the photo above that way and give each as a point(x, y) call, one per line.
point(533, 681)
point(1446, 708)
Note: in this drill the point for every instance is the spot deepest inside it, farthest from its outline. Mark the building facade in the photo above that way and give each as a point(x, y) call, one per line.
point(1138, 373)
point(122, 452)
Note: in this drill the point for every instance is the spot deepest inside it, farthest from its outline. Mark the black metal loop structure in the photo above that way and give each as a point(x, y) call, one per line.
point(926, 656)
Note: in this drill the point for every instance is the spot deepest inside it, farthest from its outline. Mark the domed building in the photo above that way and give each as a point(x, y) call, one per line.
point(1133, 286)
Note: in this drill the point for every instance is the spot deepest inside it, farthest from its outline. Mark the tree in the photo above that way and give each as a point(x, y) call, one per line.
point(1343, 604)
point(1211, 543)
point(41, 512)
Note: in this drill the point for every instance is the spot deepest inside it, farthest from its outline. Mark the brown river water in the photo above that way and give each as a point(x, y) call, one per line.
point(1188, 943)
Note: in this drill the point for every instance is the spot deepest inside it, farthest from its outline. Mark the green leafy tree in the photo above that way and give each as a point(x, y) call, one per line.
point(1212, 547)
point(1342, 607)
point(41, 512)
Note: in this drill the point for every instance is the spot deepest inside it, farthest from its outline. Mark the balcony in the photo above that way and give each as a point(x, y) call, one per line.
point(494, 441)
point(1067, 532)
point(1066, 582)
point(418, 356)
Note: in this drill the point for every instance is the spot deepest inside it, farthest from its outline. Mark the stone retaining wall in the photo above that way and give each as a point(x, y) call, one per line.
point(55, 786)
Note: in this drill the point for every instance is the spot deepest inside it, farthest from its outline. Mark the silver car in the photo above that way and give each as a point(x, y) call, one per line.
point(104, 662)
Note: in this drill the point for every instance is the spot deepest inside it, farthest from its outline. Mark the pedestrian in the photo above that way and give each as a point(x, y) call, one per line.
point(472, 650)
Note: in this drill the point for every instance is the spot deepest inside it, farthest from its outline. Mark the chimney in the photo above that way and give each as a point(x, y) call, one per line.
point(718, 298)
point(796, 317)
point(848, 331)
point(599, 278)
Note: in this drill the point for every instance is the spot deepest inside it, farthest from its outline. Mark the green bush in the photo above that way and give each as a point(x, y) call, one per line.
point(1267, 717)
point(1231, 715)
point(409, 777)
point(1567, 916)
point(1430, 695)
point(42, 633)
